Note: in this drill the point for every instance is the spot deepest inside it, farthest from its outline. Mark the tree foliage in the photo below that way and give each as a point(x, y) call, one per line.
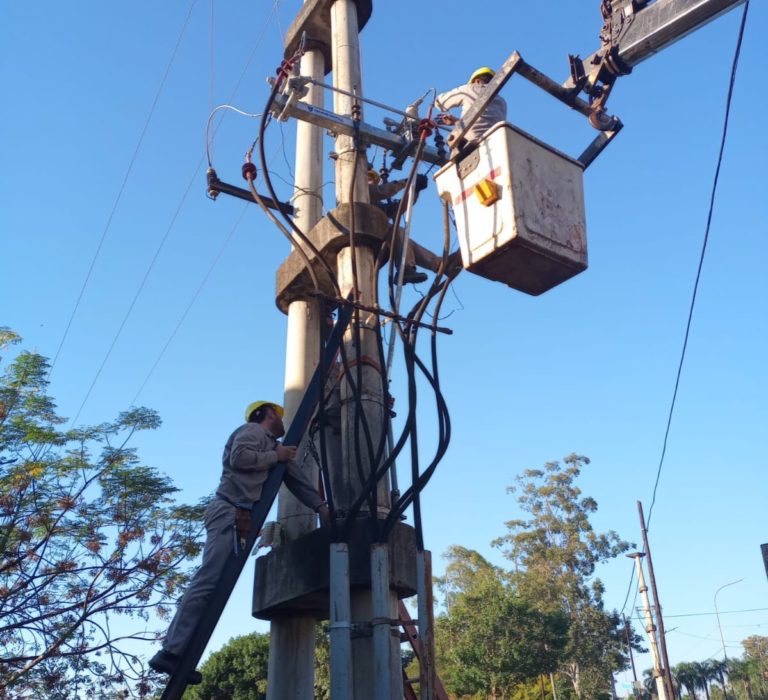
point(491, 640)
point(237, 671)
point(91, 543)
point(555, 553)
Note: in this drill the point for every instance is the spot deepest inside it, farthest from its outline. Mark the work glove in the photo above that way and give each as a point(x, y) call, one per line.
point(421, 182)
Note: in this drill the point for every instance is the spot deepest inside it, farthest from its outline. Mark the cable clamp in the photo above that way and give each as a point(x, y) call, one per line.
point(340, 626)
point(377, 621)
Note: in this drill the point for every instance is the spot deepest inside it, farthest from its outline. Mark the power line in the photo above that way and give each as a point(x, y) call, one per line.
point(703, 614)
point(695, 288)
point(701, 257)
point(167, 233)
point(122, 187)
point(192, 300)
point(139, 290)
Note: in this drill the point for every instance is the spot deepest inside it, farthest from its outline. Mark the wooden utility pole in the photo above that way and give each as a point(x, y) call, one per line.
point(659, 618)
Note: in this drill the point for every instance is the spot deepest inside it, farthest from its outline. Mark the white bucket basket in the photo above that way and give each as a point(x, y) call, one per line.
point(519, 208)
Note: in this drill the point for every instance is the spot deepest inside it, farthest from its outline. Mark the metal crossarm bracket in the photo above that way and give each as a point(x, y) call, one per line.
point(341, 124)
point(234, 566)
point(216, 187)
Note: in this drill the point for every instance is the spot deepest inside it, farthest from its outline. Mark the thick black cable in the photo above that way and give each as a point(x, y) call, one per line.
point(361, 419)
point(629, 590)
point(270, 188)
point(419, 481)
point(444, 438)
point(408, 337)
point(379, 472)
point(408, 496)
point(731, 84)
point(122, 187)
point(260, 201)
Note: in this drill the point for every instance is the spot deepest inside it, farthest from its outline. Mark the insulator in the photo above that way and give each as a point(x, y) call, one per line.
point(249, 171)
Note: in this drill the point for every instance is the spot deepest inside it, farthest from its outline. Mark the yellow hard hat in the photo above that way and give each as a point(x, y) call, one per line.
point(480, 72)
point(373, 176)
point(258, 404)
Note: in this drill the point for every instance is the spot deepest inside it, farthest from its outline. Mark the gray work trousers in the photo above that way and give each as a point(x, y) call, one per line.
point(219, 543)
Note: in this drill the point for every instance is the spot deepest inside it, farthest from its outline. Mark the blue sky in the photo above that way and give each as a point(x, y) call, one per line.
point(588, 367)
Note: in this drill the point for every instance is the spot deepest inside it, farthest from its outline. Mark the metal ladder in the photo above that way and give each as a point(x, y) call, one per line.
point(234, 566)
point(412, 635)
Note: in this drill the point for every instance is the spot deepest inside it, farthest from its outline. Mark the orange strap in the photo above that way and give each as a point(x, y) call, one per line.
point(362, 360)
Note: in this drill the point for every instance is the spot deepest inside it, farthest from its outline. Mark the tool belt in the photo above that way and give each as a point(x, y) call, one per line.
point(243, 522)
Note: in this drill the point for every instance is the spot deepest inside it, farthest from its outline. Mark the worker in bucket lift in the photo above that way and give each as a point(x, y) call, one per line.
point(251, 451)
point(381, 193)
point(465, 96)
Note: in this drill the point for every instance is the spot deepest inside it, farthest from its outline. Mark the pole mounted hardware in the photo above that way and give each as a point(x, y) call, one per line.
point(217, 187)
point(343, 125)
point(234, 566)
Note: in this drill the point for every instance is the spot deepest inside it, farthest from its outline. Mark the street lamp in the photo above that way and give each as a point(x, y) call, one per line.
point(717, 614)
point(720, 627)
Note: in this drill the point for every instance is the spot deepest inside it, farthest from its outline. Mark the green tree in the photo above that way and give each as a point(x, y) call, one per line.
point(88, 535)
point(237, 671)
point(718, 669)
point(555, 553)
point(740, 676)
point(322, 663)
point(490, 640)
point(688, 675)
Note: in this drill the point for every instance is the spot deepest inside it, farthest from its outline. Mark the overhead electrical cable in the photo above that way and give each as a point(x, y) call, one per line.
point(141, 286)
point(192, 301)
point(709, 614)
point(710, 213)
point(122, 187)
point(165, 236)
point(731, 84)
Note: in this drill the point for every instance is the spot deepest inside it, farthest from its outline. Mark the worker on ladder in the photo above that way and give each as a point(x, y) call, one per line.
point(464, 96)
point(251, 451)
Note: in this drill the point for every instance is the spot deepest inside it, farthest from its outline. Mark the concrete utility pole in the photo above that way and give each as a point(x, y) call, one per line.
point(650, 628)
point(357, 580)
point(292, 639)
point(375, 674)
point(659, 617)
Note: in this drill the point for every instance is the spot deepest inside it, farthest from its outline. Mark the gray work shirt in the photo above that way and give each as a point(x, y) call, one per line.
point(248, 456)
point(464, 96)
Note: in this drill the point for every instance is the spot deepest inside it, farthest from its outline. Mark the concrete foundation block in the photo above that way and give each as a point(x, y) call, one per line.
point(294, 579)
